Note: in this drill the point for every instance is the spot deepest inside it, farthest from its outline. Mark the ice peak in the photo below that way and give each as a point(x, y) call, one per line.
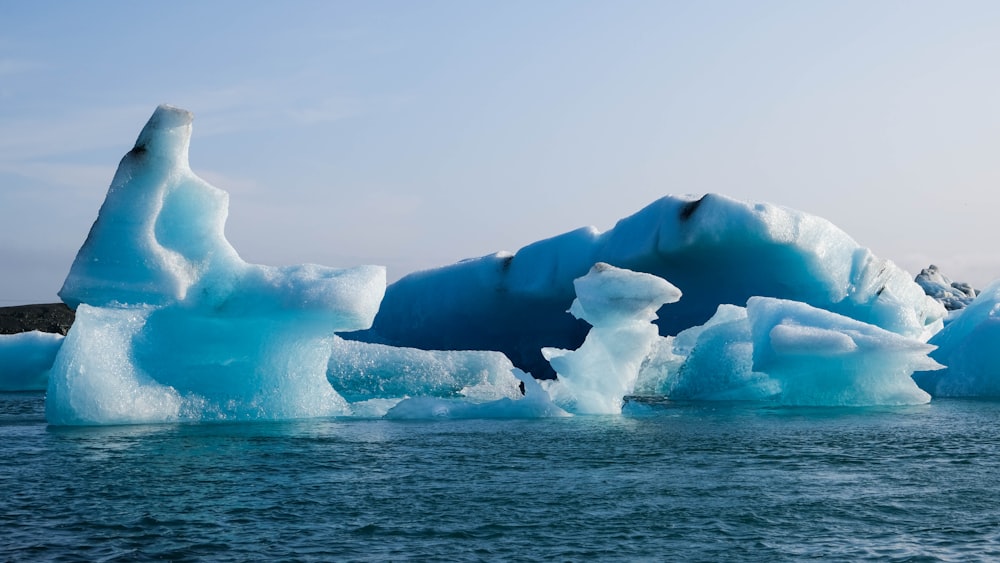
point(167, 134)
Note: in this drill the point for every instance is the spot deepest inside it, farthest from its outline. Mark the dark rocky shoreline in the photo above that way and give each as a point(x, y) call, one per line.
point(48, 317)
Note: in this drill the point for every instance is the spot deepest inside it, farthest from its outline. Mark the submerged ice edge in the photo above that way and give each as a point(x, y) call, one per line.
point(174, 325)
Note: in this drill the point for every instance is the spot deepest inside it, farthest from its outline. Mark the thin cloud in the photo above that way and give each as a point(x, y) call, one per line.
point(325, 111)
point(45, 136)
point(62, 174)
point(10, 67)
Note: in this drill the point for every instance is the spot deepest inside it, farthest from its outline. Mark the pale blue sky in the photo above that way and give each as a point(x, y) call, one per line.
point(415, 134)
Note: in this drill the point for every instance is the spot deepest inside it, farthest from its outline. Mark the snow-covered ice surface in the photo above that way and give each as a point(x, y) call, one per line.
point(25, 360)
point(717, 250)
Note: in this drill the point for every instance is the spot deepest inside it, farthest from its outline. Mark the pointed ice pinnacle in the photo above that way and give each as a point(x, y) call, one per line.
point(159, 227)
point(173, 325)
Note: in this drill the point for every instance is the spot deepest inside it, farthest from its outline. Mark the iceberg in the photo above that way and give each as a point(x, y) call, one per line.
point(25, 359)
point(173, 325)
point(715, 249)
point(621, 305)
point(968, 347)
point(788, 353)
point(821, 358)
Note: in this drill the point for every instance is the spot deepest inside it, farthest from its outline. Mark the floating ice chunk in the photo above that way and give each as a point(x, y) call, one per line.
point(715, 249)
point(789, 353)
point(968, 348)
point(160, 226)
point(820, 358)
point(360, 372)
point(25, 360)
point(181, 327)
point(621, 306)
point(536, 403)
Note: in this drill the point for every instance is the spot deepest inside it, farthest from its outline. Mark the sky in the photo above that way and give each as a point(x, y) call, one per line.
point(417, 134)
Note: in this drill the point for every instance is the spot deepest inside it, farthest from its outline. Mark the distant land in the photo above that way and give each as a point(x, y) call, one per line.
point(48, 317)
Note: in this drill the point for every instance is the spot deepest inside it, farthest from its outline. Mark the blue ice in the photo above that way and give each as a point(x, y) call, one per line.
point(173, 325)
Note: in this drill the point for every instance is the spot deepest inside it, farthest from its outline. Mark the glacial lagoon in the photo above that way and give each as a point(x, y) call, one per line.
point(663, 481)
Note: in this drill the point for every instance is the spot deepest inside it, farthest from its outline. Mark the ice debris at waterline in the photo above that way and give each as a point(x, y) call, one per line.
point(715, 249)
point(25, 359)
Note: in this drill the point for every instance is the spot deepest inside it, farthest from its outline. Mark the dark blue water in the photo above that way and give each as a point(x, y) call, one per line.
point(673, 482)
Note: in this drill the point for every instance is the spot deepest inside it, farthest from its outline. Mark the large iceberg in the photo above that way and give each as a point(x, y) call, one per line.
point(717, 250)
point(173, 325)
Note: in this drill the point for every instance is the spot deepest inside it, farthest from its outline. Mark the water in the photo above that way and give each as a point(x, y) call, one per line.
point(684, 482)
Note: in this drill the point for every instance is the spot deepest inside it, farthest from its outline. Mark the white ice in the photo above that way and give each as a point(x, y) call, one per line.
point(25, 360)
point(621, 306)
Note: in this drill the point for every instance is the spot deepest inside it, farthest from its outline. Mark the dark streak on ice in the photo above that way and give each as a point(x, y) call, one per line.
point(690, 207)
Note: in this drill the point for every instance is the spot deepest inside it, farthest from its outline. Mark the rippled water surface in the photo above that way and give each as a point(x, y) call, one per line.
point(668, 482)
